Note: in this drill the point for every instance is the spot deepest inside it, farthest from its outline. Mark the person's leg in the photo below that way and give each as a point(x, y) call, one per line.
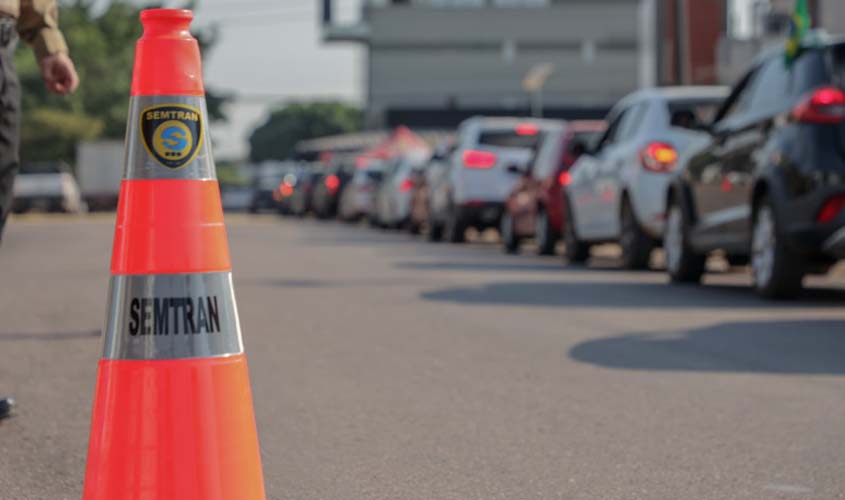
point(9, 130)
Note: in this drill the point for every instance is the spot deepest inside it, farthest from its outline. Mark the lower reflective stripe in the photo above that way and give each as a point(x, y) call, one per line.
point(168, 316)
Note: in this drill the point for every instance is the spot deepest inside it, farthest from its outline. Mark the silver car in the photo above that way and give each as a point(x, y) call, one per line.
point(48, 186)
point(394, 195)
point(358, 197)
point(616, 192)
point(490, 155)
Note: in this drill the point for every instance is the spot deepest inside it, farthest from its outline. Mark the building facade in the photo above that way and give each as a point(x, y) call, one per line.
point(432, 63)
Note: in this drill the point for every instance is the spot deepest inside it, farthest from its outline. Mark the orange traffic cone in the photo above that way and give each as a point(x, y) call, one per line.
point(172, 414)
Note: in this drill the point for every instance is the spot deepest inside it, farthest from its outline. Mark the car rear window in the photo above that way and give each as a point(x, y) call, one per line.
point(509, 139)
point(837, 63)
point(693, 114)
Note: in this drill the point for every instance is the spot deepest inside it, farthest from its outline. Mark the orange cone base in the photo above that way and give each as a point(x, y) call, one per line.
point(173, 429)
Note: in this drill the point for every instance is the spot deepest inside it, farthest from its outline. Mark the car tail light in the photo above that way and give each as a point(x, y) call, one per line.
point(564, 178)
point(526, 129)
point(824, 106)
point(658, 157)
point(332, 183)
point(831, 209)
point(285, 189)
point(406, 185)
point(478, 159)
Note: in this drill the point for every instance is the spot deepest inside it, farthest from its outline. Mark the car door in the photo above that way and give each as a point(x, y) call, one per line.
point(741, 137)
point(609, 179)
point(585, 188)
point(705, 171)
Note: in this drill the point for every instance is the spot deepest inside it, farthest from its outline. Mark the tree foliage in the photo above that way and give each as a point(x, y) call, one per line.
point(102, 46)
point(276, 138)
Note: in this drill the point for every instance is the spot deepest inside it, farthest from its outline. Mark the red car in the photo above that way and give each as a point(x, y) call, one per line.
point(534, 208)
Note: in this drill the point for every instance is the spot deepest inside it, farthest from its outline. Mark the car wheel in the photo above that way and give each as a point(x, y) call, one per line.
point(455, 227)
point(510, 241)
point(777, 271)
point(545, 235)
point(682, 263)
point(636, 245)
point(577, 251)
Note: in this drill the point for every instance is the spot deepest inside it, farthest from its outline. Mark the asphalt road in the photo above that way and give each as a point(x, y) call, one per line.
point(388, 368)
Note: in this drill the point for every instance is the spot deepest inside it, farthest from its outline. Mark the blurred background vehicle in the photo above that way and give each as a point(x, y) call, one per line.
point(615, 192)
point(358, 197)
point(299, 201)
point(431, 175)
point(769, 183)
point(490, 155)
point(48, 186)
point(265, 184)
point(99, 169)
point(326, 195)
point(394, 195)
point(534, 207)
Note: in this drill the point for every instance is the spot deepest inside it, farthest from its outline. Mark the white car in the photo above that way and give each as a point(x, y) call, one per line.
point(490, 156)
point(48, 186)
point(616, 192)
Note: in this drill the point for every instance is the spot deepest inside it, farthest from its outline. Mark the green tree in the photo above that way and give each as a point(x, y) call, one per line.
point(276, 138)
point(103, 49)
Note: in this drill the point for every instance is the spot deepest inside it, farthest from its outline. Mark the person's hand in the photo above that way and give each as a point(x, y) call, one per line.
point(59, 73)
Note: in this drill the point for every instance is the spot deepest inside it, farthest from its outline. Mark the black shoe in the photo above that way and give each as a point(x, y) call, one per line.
point(6, 405)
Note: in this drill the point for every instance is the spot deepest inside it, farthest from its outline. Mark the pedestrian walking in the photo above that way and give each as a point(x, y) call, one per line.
point(37, 23)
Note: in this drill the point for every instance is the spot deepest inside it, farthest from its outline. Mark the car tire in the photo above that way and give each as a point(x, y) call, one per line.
point(455, 227)
point(577, 251)
point(510, 241)
point(435, 232)
point(682, 263)
point(545, 235)
point(777, 271)
point(636, 244)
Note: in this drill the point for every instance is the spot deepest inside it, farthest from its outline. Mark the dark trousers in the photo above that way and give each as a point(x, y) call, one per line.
point(10, 117)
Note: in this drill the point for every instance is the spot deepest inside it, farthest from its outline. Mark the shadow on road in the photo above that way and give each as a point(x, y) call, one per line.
point(478, 266)
point(4, 337)
point(623, 294)
point(788, 347)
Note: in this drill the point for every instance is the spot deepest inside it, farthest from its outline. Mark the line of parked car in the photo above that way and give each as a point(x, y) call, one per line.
point(755, 172)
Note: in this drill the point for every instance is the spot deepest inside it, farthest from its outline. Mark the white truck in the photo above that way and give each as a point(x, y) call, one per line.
point(99, 169)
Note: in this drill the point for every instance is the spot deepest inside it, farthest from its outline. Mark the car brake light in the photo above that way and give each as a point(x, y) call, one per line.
point(285, 189)
point(824, 106)
point(478, 159)
point(526, 129)
point(406, 185)
point(831, 209)
point(332, 183)
point(658, 157)
point(564, 178)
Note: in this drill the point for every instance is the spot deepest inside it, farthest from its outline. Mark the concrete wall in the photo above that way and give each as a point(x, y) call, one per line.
point(423, 57)
point(832, 16)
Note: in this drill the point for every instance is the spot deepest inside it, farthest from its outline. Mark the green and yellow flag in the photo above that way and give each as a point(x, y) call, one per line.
point(798, 26)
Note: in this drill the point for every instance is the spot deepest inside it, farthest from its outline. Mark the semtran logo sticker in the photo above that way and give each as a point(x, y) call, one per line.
point(172, 133)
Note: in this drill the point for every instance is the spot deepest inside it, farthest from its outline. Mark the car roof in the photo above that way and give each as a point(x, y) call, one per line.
point(680, 92)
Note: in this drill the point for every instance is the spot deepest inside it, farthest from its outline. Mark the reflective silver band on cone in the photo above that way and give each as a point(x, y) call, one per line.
point(141, 162)
point(172, 316)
